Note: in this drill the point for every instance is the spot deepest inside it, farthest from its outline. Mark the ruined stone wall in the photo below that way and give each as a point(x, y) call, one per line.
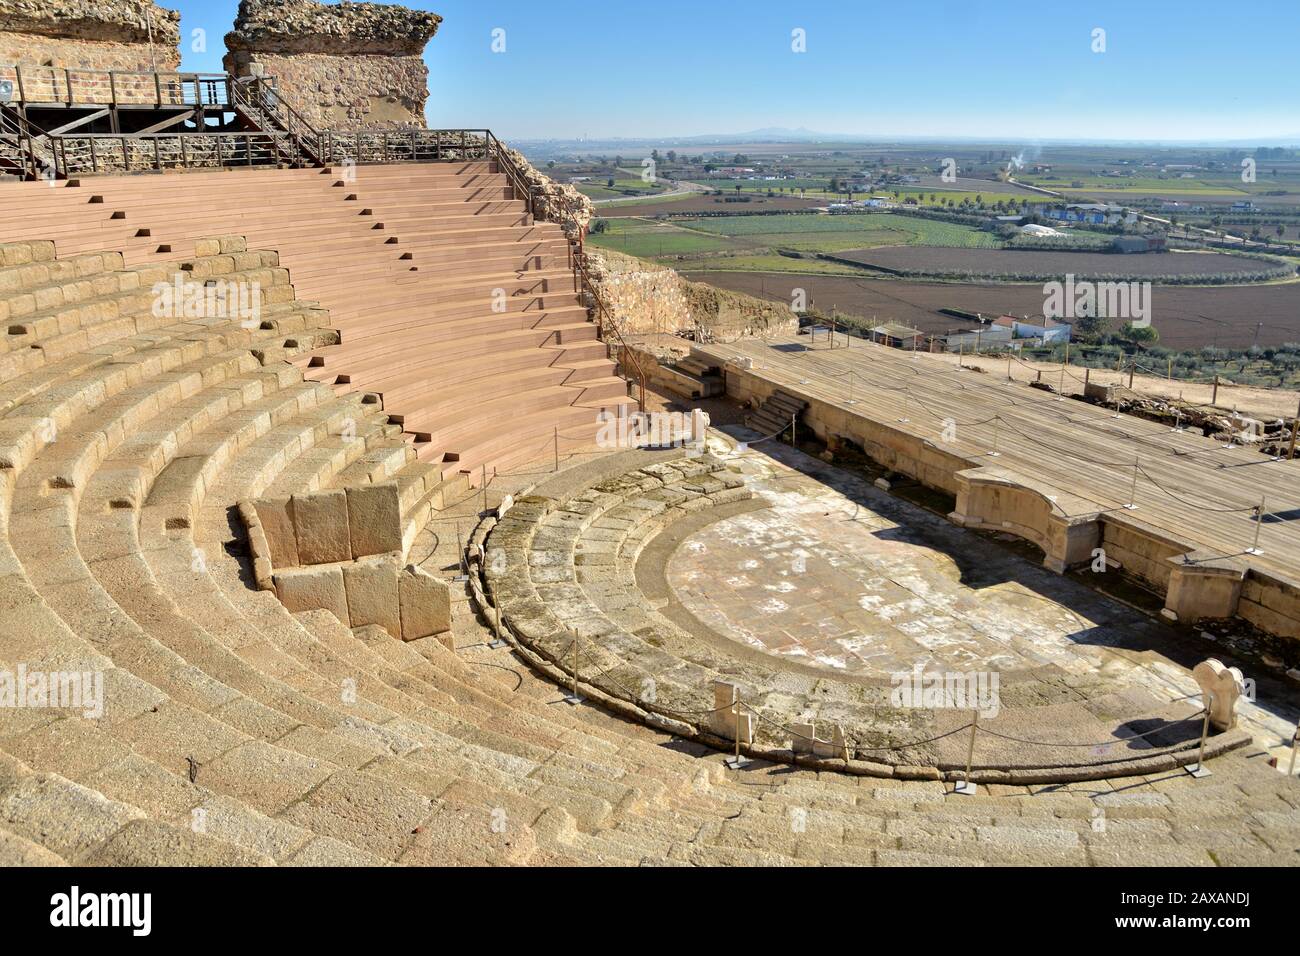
point(556, 202)
point(648, 298)
point(342, 66)
point(87, 35)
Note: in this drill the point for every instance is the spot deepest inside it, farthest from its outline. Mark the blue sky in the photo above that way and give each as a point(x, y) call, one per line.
point(997, 69)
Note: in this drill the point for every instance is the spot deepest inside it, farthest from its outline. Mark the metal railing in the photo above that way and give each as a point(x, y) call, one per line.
point(259, 99)
point(518, 182)
point(606, 323)
point(370, 146)
point(16, 148)
point(88, 153)
point(51, 85)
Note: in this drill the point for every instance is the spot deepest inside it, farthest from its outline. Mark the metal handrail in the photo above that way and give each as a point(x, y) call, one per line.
point(604, 316)
point(251, 93)
point(80, 153)
point(397, 144)
point(517, 181)
point(67, 86)
point(25, 136)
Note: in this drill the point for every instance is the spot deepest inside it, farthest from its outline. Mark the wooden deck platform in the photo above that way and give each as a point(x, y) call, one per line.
point(1188, 487)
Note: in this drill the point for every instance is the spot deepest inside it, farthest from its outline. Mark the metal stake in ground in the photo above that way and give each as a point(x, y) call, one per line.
point(1199, 770)
point(1132, 495)
point(737, 762)
point(573, 697)
point(1259, 523)
point(461, 560)
point(966, 787)
point(498, 642)
point(557, 448)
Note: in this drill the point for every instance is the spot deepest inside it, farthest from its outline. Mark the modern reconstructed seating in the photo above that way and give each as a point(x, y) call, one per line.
point(451, 302)
point(236, 732)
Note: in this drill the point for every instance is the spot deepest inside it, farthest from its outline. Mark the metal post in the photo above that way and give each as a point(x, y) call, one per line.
point(995, 453)
point(1214, 395)
point(498, 642)
point(1259, 524)
point(1199, 770)
point(483, 482)
point(1132, 495)
point(572, 698)
point(851, 399)
point(737, 762)
point(966, 787)
point(557, 448)
point(460, 557)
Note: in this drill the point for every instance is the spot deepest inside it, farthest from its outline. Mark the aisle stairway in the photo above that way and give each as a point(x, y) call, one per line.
point(452, 303)
point(235, 732)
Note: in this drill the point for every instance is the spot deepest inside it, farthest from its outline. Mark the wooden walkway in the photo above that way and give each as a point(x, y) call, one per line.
point(1187, 486)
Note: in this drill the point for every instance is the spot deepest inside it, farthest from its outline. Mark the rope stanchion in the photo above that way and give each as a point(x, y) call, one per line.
point(573, 698)
point(966, 787)
point(1199, 770)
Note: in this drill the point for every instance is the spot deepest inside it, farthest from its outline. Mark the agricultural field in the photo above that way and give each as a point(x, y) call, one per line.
point(698, 203)
point(764, 236)
point(646, 239)
point(1186, 317)
point(1025, 265)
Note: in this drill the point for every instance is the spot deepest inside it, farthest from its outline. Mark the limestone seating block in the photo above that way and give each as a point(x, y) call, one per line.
point(425, 604)
point(804, 740)
point(313, 589)
point(320, 523)
point(372, 590)
point(22, 253)
point(258, 548)
point(374, 519)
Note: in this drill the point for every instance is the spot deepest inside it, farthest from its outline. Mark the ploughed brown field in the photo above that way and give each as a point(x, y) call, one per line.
point(697, 204)
point(1082, 265)
point(1185, 316)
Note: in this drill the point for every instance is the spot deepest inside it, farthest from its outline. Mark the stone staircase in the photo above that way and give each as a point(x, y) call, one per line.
point(236, 733)
point(776, 412)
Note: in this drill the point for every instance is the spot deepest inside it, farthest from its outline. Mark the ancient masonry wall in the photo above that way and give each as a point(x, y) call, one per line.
point(86, 35)
point(342, 66)
point(648, 298)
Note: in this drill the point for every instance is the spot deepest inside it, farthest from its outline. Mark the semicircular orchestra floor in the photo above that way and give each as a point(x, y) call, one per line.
point(823, 596)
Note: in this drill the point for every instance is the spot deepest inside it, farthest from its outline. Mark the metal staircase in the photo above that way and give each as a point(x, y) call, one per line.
point(24, 149)
point(257, 102)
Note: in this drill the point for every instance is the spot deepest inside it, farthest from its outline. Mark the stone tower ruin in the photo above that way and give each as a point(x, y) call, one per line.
point(342, 66)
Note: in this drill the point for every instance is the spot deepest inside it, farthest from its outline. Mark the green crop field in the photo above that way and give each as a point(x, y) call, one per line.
point(755, 241)
point(652, 240)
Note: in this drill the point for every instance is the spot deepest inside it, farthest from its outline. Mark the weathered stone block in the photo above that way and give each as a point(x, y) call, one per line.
point(374, 519)
point(276, 517)
point(372, 592)
point(425, 603)
point(320, 523)
point(313, 589)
